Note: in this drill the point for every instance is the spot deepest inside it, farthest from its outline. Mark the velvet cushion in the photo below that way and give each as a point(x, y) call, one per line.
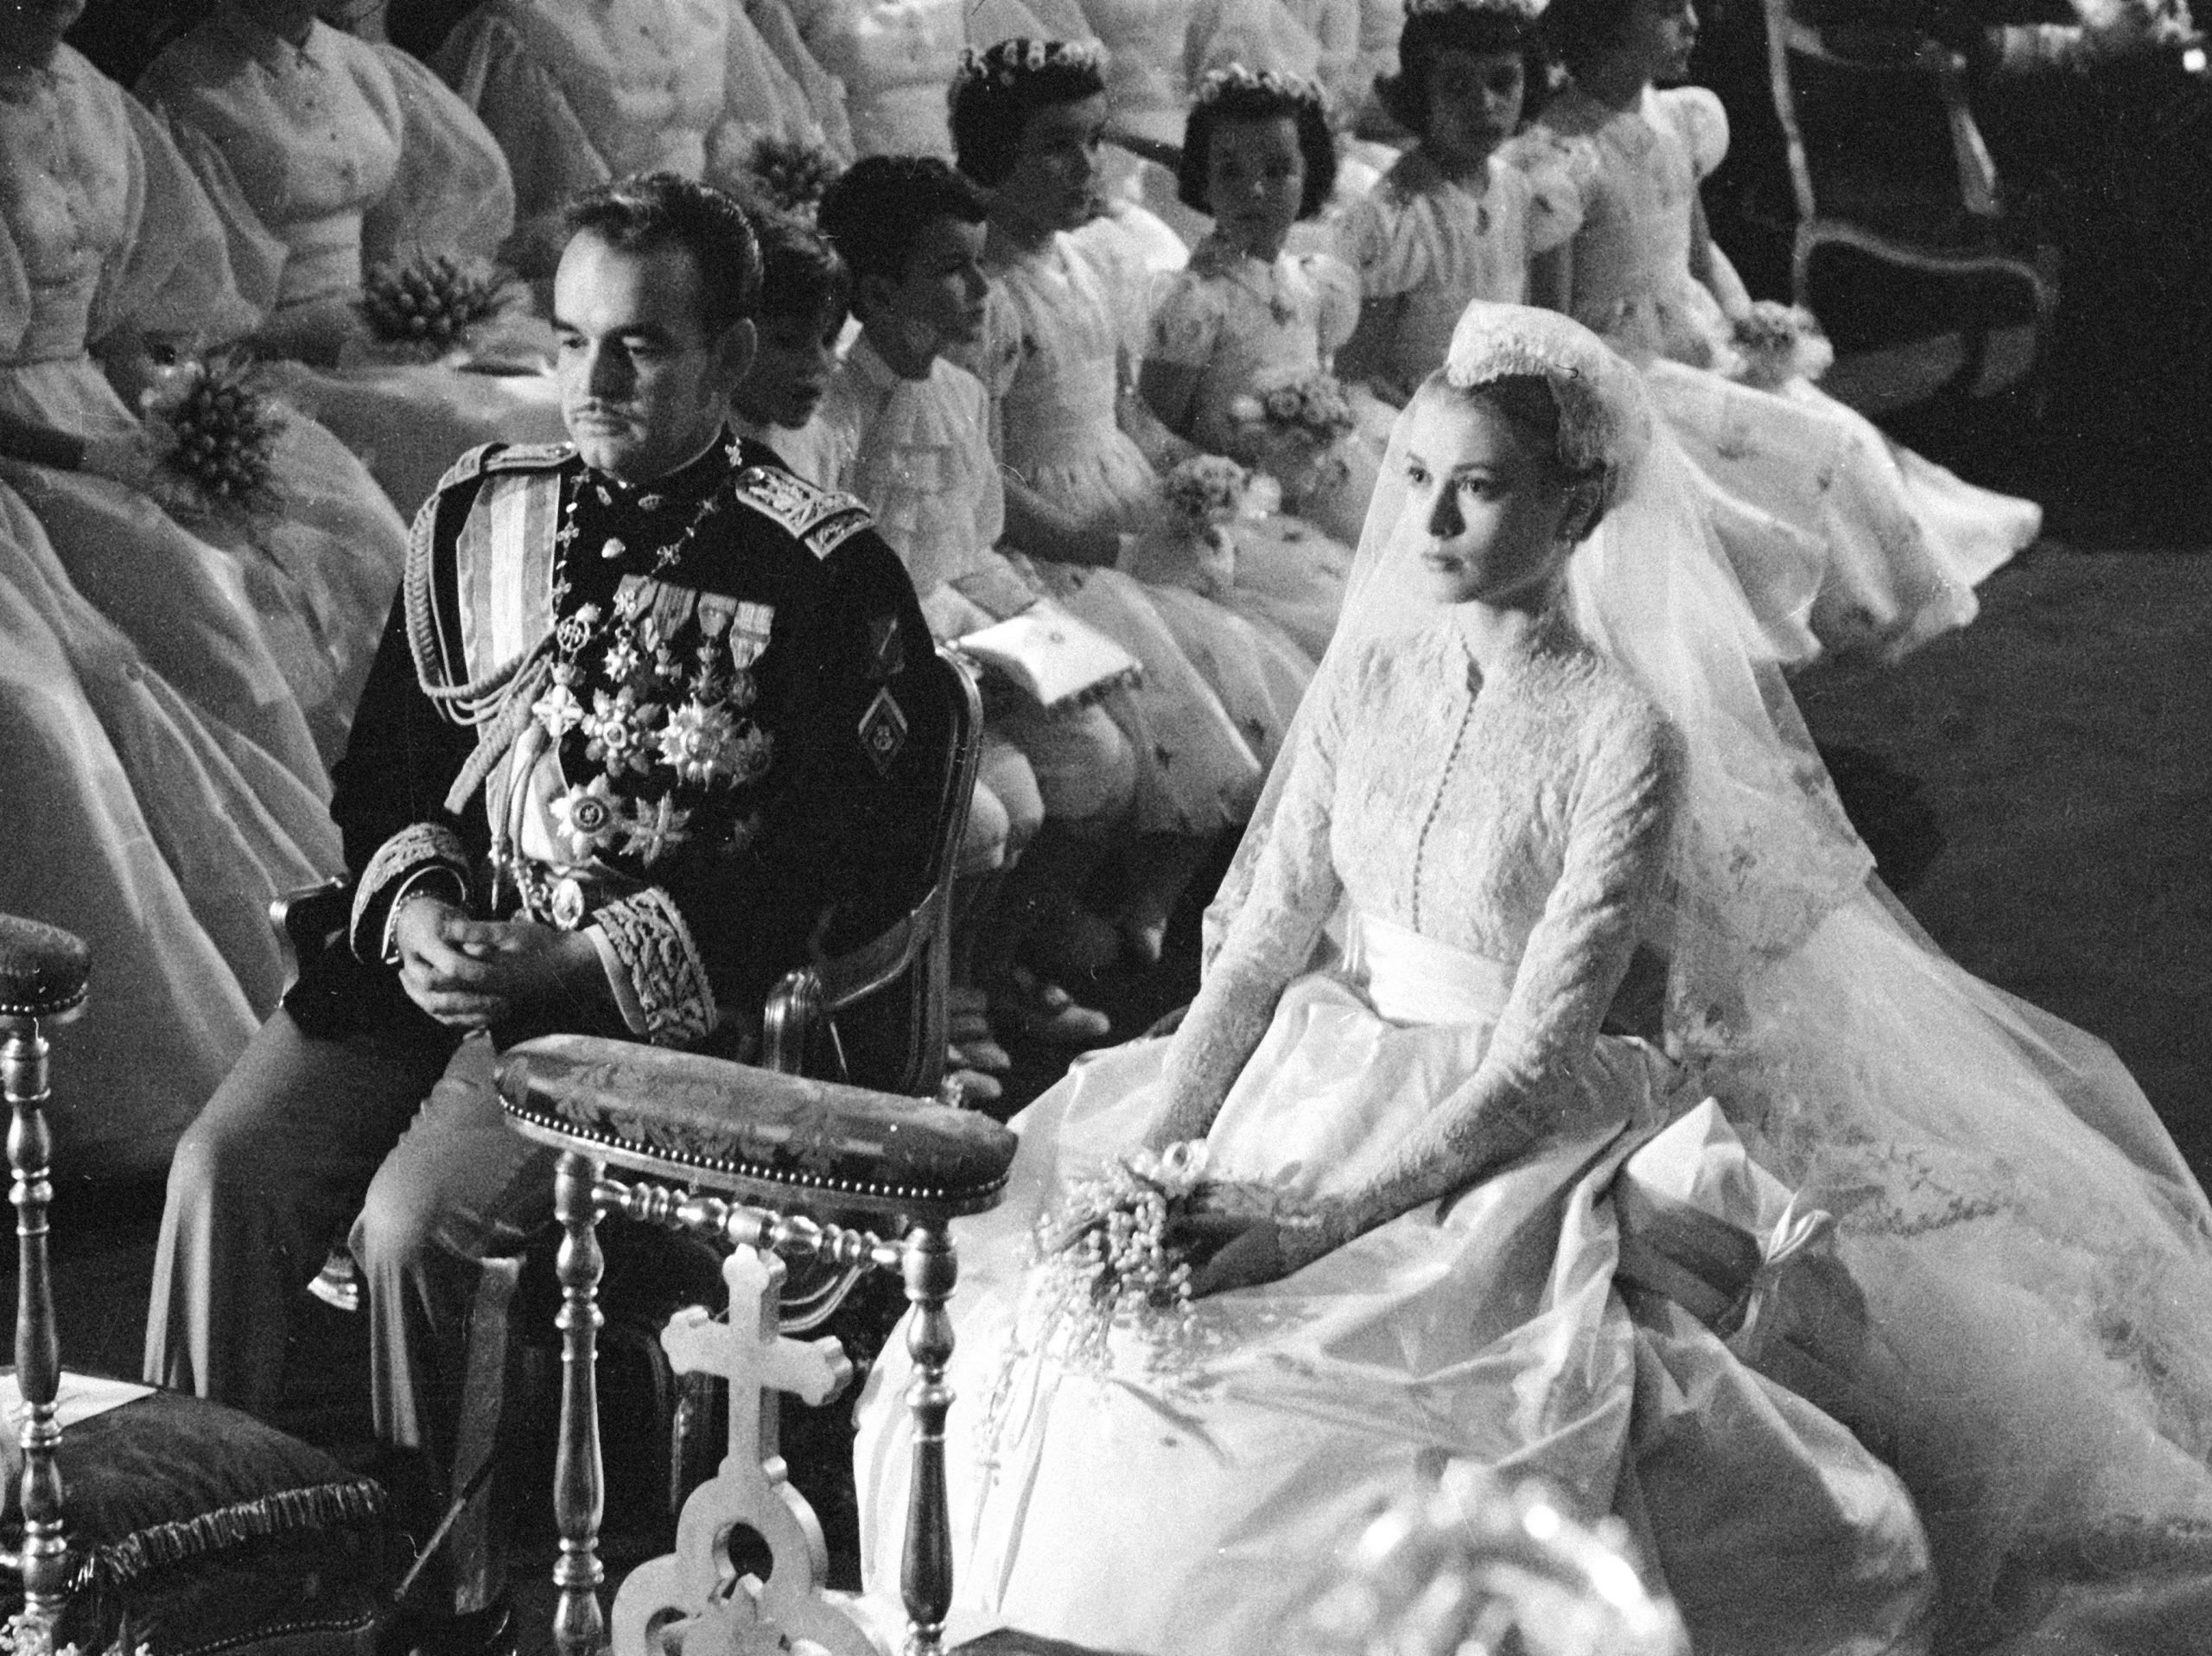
point(42, 968)
point(193, 1527)
point(785, 1136)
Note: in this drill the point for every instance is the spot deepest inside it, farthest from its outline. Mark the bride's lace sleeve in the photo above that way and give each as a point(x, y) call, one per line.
point(1294, 889)
point(1620, 829)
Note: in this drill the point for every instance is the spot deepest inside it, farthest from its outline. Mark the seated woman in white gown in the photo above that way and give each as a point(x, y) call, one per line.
point(2034, 1352)
point(109, 253)
point(1414, 1155)
point(329, 155)
point(580, 94)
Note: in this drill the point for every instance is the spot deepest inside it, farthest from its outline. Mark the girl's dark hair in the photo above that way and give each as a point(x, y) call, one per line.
point(648, 211)
point(994, 94)
point(1240, 100)
point(802, 278)
point(877, 211)
point(1581, 31)
point(1479, 31)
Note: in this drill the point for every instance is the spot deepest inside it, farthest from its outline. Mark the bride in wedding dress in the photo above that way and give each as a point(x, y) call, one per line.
point(1529, 779)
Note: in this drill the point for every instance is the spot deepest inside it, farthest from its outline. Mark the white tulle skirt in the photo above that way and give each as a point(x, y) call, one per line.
point(1904, 542)
point(1182, 1498)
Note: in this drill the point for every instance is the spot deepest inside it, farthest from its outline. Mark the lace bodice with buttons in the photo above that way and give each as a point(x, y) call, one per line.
point(1526, 818)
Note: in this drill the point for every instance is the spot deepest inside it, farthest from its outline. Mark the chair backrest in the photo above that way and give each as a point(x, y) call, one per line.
point(1896, 62)
point(880, 1008)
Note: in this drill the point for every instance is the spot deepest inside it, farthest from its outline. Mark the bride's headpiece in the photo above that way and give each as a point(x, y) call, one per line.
point(1605, 419)
point(1010, 61)
point(1233, 77)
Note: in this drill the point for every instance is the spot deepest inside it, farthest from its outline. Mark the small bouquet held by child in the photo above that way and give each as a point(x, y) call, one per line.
point(1779, 343)
point(1296, 431)
point(1192, 546)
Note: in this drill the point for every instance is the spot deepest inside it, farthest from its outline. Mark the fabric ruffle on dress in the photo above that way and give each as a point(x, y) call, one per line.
point(1902, 542)
point(326, 161)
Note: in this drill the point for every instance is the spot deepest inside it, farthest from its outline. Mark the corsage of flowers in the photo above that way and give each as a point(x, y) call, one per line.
point(1780, 342)
point(215, 431)
point(428, 299)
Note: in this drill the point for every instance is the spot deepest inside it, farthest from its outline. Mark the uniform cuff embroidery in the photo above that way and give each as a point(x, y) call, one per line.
point(414, 849)
point(667, 980)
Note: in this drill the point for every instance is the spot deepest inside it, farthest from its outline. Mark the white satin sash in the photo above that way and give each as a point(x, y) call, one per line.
point(1410, 978)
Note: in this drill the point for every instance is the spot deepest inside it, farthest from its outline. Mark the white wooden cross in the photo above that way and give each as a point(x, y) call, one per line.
point(693, 1603)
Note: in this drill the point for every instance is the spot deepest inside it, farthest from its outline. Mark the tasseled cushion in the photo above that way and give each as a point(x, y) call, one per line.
point(193, 1526)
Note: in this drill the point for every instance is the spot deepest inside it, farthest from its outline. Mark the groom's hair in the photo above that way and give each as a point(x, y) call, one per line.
point(649, 211)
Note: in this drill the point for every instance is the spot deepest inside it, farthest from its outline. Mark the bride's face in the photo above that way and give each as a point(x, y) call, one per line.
point(1487, 514)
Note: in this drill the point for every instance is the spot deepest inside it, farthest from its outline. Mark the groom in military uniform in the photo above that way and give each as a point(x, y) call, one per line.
point(641, 737)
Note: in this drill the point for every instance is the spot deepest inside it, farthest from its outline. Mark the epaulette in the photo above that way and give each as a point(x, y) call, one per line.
point(823, 518)
point(504, 457)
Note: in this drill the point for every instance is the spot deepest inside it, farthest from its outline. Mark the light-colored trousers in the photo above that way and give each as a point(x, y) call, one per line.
point(303, 1137)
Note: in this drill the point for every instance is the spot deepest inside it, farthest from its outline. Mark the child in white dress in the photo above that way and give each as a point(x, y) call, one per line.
point(1246, 317)
point(1904, 541)
point(1028, 121)
point(1456, 220)
point(910, 433)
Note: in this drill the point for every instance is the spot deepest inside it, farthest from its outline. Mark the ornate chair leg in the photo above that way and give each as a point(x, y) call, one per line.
point(579, 1494)
point(925, 1579)
point(38, 1345)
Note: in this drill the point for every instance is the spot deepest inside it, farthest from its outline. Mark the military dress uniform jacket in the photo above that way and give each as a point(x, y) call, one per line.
point(684, 714)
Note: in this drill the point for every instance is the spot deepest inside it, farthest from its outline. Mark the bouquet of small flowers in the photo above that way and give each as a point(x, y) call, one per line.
point(1295, 429)
point(428, 299)
point(1201, 495)
point(1206, 490)
point(1314, 407)
point(1107, 1252)
point(214, 430)
point(792, 174)
point(1780, 342)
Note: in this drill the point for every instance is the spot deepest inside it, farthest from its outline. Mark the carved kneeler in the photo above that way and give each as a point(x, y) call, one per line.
point(762, 1158)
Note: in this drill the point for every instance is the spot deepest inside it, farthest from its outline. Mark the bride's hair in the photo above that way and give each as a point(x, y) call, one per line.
point(1531, 408)
point(995, 92)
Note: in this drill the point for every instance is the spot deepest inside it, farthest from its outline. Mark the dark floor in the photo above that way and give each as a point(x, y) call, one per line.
point(2036, 787)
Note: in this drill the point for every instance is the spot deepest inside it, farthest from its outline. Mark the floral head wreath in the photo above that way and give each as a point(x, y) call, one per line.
point(1008, 61)
point(1236, 78)
point(1525, 11)
point(1604, 421)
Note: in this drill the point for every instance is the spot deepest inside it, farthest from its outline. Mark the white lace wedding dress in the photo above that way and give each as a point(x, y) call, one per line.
point(1500, 841)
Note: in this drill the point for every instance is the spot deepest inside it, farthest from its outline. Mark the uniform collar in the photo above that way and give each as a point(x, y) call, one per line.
point(688, 483)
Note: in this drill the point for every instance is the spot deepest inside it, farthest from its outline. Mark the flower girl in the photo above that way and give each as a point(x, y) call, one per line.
point(1904, 540)
point(1238, 353)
